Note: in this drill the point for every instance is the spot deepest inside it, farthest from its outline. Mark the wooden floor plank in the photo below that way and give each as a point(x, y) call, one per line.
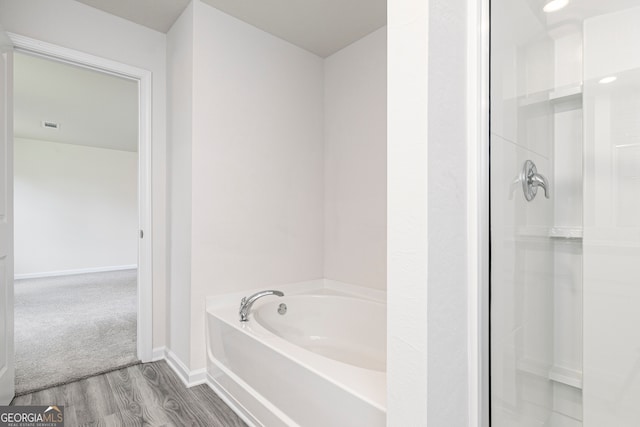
point(126, 418)
point(176, 401)
point(149, 394)
point(24, 400)
point(44, 397)
point(124, 393)
point(71, 396)
point(152, 411)
point(96, 399)
point(208, 399)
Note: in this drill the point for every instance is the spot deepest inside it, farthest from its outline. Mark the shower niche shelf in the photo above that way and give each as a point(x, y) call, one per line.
point(566, 94)
point(563, 232)
point(571, 233)
point(570, 377)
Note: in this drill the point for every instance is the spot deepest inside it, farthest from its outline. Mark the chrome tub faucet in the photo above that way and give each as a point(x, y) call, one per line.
point(247, 302)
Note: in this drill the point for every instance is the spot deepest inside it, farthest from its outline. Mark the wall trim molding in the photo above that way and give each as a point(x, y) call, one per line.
point(478, 244)
point(189, 378)
point(145, 245)
point(75, 271)
point(159, 353)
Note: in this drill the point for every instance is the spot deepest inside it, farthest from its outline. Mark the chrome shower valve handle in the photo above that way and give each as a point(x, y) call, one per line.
point(531, 180)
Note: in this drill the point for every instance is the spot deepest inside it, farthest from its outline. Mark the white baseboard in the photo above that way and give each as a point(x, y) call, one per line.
point(158, 353)
point(189, 378)
point(75, 271)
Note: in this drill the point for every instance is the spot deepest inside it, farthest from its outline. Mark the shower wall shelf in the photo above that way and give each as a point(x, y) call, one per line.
point(558, 374)
point(570, 233)
point(563, 94)
point(570, 377)
point(567, 93)
point(574, 233)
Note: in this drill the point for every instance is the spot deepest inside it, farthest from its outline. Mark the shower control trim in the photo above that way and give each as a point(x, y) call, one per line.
point(531, 180)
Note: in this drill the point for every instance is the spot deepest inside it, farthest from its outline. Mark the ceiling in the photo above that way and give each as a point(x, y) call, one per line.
point(319, 26)
point(92, 108)
point(155, 14)
point(578, 11)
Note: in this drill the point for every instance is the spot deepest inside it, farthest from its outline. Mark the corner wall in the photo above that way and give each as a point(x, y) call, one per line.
point(355, 162)
point(429, 364)
point(257, 163)
point(179, 129)
point(249, 137)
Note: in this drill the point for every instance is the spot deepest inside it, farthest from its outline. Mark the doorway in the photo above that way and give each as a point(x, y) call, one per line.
point(143, 233)
point(76, 221)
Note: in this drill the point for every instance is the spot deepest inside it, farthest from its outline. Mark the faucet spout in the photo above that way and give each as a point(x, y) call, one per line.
point(247, 302)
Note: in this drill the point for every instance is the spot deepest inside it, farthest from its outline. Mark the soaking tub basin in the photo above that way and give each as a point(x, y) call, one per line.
point(314, 359)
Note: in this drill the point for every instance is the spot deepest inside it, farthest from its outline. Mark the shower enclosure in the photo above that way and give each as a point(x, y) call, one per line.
point(565, 213)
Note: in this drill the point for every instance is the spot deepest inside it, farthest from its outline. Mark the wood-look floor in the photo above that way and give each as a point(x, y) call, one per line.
point(149, 394)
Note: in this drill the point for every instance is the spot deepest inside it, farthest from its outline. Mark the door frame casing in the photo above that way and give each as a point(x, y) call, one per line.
point(144, 328)
point(7, 353)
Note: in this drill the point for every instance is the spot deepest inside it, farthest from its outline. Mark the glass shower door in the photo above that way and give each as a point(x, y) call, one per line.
point(565, 213)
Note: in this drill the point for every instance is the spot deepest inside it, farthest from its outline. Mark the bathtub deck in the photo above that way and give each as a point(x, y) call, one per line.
point(146, 394)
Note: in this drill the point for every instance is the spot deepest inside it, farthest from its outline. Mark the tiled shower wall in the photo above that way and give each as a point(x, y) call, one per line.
point(612, 220)
point(536, 114)
point(565, 270)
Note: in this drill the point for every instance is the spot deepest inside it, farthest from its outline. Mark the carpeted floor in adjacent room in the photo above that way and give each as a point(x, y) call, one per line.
point(70, 327)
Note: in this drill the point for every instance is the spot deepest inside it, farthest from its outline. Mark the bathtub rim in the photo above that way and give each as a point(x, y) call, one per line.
point(299, 355)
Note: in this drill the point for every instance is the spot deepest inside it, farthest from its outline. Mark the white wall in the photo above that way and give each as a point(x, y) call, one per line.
point(609, 39)
point(407, 251)
point(180, 119)
point(80, 27)
point(611, 242)
point(75, 207)
point(448, 308)
point(256, 164)
point(429, 368)
point(355, 157)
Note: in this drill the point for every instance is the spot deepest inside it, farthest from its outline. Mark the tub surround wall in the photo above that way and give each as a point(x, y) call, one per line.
point(355, 170)
point(257, 162)
point(247, 134)
point(83, 28)
point(251, 163)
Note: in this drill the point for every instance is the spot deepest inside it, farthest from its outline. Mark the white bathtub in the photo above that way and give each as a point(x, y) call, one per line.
point(323, 363)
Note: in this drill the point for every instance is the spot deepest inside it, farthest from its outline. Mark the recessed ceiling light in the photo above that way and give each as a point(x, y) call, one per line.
point(609, 79)
point(555, 5)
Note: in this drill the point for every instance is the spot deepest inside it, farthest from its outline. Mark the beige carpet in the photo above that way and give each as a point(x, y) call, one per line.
point(70, 327)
